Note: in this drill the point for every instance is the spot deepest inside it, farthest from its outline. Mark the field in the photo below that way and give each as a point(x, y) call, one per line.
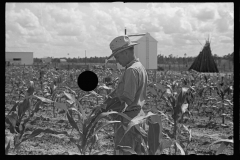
point(47, 114)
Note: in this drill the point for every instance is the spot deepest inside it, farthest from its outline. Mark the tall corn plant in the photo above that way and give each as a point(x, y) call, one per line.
point(87, 126)
point(18, 120)
point(179, 108)
point(222, 90)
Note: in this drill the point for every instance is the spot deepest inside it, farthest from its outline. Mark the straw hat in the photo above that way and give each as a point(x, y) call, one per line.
point(120, 44)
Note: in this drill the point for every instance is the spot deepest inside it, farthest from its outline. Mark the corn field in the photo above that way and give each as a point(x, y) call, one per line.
point(47, 114)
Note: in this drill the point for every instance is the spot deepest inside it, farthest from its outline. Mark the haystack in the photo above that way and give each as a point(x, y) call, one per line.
point(204, 61)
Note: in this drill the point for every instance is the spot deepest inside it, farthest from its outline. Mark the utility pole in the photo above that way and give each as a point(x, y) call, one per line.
point(85, 58)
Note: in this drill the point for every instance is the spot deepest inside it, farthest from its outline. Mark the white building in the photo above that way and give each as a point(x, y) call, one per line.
point(19, 58)
point(63, 61)
point(146, 50)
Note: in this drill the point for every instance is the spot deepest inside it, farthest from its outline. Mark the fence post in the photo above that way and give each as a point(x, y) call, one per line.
point(155, 75)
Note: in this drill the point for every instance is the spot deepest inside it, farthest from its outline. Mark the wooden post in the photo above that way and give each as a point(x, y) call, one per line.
point(155, 75)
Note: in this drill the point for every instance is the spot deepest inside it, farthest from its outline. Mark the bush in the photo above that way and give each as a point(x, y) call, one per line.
point(160, 68)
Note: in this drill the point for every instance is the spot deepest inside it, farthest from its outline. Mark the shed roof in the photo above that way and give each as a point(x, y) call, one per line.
point(135, 38)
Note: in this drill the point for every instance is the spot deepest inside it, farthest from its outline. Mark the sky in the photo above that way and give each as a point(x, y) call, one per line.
point(69, 29)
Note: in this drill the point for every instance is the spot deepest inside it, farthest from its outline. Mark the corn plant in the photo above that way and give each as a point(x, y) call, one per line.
point(221, 91)
point(18, 120)
point(87, 127)
point(179, 108)
point(224, 143)
point(176, 103)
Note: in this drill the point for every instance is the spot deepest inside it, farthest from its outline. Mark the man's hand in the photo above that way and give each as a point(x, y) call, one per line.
point(125, 99)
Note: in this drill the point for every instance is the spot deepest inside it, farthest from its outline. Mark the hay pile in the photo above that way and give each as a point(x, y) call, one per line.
point(204, 61)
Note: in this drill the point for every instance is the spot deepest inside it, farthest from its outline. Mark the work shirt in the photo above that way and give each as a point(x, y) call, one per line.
point(133, 85)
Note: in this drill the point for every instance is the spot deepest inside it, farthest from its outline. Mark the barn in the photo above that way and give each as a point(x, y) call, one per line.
point(146, 50)
point(19, 58)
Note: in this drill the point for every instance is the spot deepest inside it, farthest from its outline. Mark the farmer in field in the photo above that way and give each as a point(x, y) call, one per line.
point(131, 91)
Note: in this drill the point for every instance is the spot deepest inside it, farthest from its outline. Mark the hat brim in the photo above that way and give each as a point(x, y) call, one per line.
point(114, 53)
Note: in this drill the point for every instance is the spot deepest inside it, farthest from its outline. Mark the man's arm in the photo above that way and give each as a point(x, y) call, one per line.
point(122, 97)
point(130, 86)
point(112, 94)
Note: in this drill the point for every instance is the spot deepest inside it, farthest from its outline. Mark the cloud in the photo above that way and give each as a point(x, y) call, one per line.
point(226, 41)
point(75, 27)
point(25, 18)
point(224, 23)
point(204, 14)
point(70, 30)
point(163, 39)
point(207, 27)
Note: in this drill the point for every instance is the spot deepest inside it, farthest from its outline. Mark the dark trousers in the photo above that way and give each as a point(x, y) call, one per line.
point(132, 137)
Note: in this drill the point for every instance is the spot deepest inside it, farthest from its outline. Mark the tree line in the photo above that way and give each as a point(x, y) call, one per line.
point(183, 60)
point(161, 59)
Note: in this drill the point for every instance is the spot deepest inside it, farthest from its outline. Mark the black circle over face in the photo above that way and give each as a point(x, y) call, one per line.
point(87, 81)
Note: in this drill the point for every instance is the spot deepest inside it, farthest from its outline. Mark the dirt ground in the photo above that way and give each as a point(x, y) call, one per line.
point(204, 132)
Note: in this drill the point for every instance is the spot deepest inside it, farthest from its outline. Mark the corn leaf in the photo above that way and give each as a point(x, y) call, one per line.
point(93, 93)
point(70, 90)
point(23, 107)
point(102, 126)
point(93, 122)
point(30, 89)
point(229, 102)
point(69, 96)
point(81, 110)
point(12, 120)
point(99, 153)
point(14, 107)
point(136, 120)
point(168, 91)
point(103, 86)
point(221, 148)
point(222, 140)
point(153, 138)
point(180, 100)
point(74, 109)
point(184, 107)
point(152, 91)
point(7, 148)
point(7, 144)
point(37, 106)
point(160, 87)
point(104, 114)
point(180, 148)
point(126, 149)
point(71, 121)
point(61, 106)
point(165, 143)
point(44, 99)
point(154, 133)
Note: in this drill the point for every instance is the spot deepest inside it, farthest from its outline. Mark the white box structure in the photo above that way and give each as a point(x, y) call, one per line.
point(19, 58)
point(146, 50)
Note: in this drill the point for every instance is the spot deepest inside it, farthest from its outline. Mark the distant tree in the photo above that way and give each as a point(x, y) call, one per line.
point(215, 57)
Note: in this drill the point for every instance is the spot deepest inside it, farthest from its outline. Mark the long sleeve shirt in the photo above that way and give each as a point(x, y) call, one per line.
point(133, 85)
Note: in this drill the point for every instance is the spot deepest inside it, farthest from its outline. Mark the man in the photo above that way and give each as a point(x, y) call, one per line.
point(131, 91)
